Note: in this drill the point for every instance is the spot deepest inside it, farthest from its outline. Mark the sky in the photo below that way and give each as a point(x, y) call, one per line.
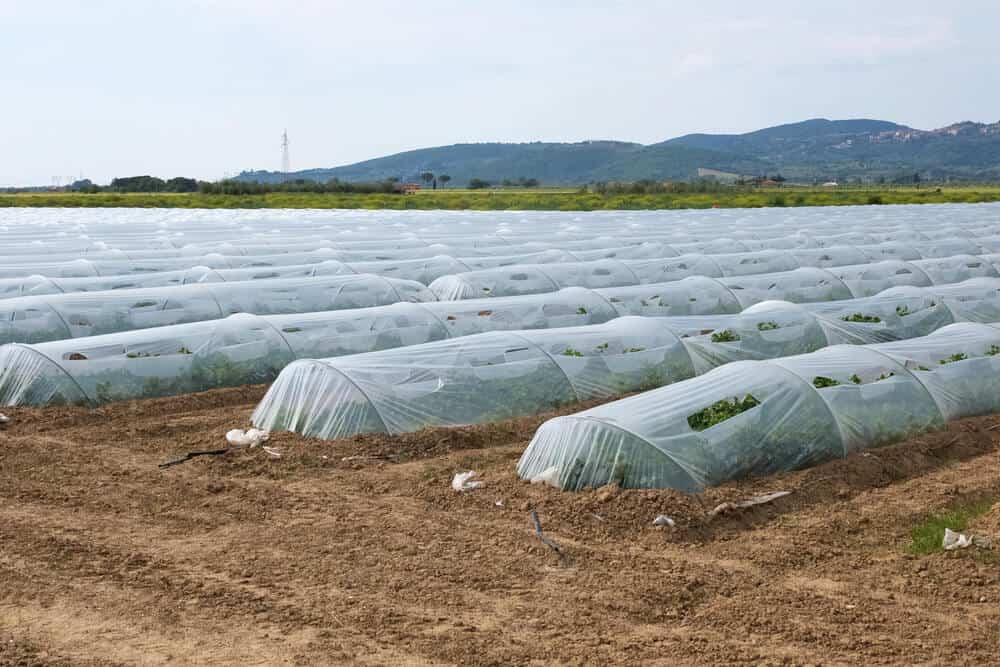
point(205, 88)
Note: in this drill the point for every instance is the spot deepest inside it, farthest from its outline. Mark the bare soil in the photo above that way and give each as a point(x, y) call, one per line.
point(358, 551)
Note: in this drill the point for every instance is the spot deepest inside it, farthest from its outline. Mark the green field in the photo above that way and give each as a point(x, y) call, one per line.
point(534, 199)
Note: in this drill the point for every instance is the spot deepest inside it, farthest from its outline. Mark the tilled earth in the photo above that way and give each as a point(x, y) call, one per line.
point(359, 551)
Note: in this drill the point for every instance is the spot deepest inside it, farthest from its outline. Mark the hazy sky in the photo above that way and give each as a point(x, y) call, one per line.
point(178, 87)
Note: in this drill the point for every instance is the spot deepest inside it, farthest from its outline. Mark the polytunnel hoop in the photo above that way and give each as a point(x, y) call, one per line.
point(911, 265)
point(208, 271)
point(555, 283)
point(207, 287)
point(915, 377)
point(456, 259)
point(728, 289)
point(52, 281)
point(356, 386)
point(538, 347)
point(62, 319)
point(388, 282)
point(628, 268)
point(838, 279)
point(86, 396)
point(276, 330)
point(715, 263)
point(444, 326)
point(639, 438)
point(607, 301)
point(815, 390)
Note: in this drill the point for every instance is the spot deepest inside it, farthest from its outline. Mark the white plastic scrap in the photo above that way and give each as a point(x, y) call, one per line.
point(271, 451)
point(548, 476)
point(663, 520)
point(953, 540)
point(722, 508)
point(4, 418)
point(463, 481)
point(250, 438)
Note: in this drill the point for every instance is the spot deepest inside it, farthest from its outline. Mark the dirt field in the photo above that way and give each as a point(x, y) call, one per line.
point(311, 559)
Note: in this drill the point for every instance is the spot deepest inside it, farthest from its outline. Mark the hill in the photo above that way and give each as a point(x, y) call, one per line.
point(811, 150)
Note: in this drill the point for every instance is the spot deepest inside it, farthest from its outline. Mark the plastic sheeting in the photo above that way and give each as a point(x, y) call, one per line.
point(86, 231)
point(763, 331)
point(740, 271)
point(34, 319)
point(245, 349)
point(759, 417)
point(408, 389)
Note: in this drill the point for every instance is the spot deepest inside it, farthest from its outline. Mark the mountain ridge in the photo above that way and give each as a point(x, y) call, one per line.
point(810, 150)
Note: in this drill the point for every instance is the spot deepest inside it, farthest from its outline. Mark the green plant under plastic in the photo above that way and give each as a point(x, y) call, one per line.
point(720, 411)
point(861, 317)
point(725, 336)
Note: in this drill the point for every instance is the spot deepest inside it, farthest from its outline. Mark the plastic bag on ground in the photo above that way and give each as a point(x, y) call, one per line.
point(250, 438)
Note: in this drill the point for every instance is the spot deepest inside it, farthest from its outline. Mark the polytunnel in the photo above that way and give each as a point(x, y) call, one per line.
point(473, 379)
point(41, 285)
point(956, 268)
point(870, 279)
point(863, 279)
point(798, 286)
point(165, 360)
point(493, 376)
point(694, 295)
point(423, 270)
point(833, 256)
point(34, 319)
point(533, 279)
point(761, 417)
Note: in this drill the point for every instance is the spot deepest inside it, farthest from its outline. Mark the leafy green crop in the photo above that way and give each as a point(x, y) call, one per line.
point(570, 352)
point(861, 317)
point(902, 311)
point(993, 351)
point(720, 411)
point(958, 356)
point(820, 382)
point(581, 311)
point(767, 326)
point(725, 336)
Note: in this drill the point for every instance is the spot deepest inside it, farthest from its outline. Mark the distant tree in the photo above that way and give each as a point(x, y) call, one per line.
point(83, 185)
point(182, 184)
point(916, 178)
point(138, 184)
point(427, 177)
point(444, 178)
point(778, 178)
point(478, 184)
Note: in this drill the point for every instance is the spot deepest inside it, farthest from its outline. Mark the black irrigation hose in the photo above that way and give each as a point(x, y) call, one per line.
point(191, 455)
